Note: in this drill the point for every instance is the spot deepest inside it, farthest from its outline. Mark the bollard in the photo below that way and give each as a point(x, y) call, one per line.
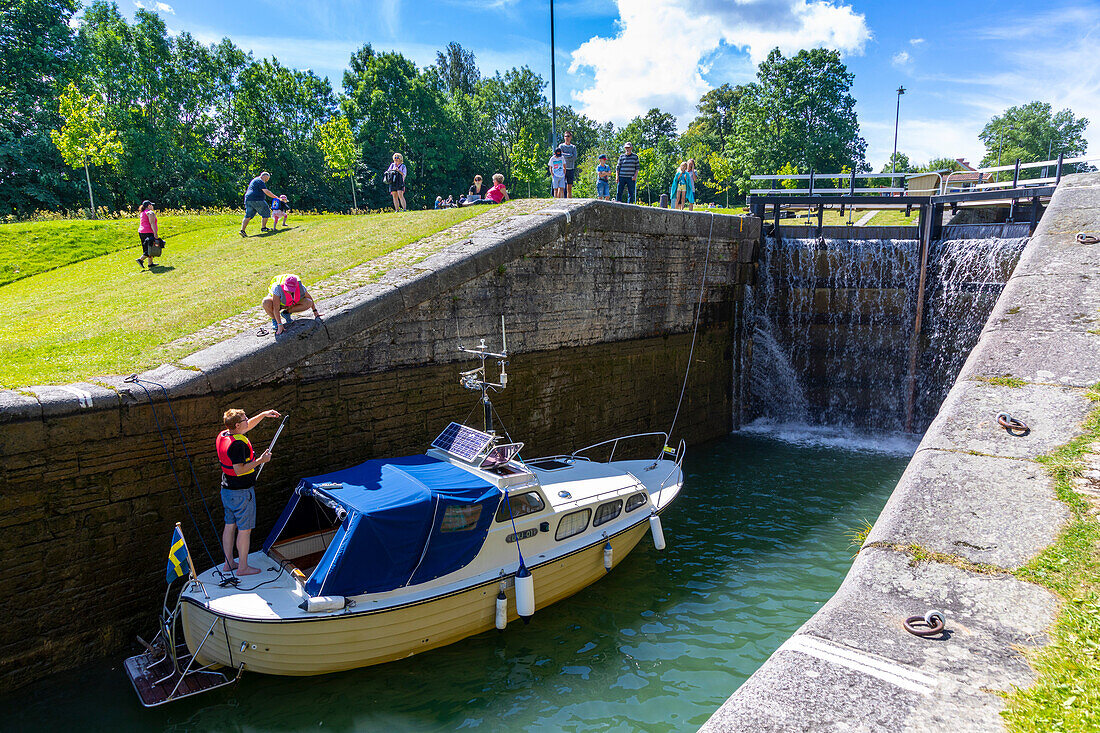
point(664, 200)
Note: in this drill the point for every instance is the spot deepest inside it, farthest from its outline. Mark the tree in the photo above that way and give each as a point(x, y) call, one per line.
point(340, 151)
point(721, 174)
point(1031, 132)
point(941, 164)
point(529, 160)
point(84, 138)
point(800, 110)
point(718, 112)
point(457, 69)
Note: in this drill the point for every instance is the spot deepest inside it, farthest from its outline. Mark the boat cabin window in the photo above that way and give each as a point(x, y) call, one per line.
point(635, 501)
point(572, 524)
point(550, 464)
point(522, 505)
point(459, 518)
point(606, 512)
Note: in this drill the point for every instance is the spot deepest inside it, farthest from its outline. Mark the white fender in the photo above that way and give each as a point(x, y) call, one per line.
point(525, 593)
point(502, 610)
point(313, 604)
point(607, 556)
point(657, 531)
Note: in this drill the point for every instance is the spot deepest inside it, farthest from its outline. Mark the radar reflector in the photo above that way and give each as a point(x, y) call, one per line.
point(462, 441)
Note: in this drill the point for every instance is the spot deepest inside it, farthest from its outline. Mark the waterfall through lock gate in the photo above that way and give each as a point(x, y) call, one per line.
point(833, 326)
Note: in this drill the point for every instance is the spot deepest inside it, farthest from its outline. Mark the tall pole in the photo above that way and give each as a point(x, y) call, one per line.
point(553, 86)
point(897, 116)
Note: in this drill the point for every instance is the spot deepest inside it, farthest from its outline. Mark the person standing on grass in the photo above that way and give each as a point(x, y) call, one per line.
point(694, 181)
point(395, 177)
point(239, 463)
point(147, 232)
point(626, 170)
point(569, 153)
point(255, 202)
point(681, 185)
point(280, 209)
point(287, 295)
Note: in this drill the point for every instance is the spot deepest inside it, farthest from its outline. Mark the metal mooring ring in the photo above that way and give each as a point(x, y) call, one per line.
point(1086, 238)
point(1011, 424)
point(930, 624)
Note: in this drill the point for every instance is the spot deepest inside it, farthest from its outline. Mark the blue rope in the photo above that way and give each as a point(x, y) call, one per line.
point(508, 501)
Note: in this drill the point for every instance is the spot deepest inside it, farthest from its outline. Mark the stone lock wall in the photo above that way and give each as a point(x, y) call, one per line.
point(598, 299)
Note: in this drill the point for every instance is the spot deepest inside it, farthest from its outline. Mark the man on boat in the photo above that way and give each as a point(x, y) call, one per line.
point(239, 464)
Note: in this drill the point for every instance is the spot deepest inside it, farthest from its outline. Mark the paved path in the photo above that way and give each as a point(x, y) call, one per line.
point(866, 219)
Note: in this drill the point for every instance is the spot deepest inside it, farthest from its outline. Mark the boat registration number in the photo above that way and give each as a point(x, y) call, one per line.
point(525, 534)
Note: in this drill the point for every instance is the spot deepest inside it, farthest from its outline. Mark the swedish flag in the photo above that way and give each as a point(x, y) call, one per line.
point(178, 565)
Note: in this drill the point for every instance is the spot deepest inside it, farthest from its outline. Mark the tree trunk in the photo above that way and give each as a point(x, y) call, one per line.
point(88, 178)
point(354, 203)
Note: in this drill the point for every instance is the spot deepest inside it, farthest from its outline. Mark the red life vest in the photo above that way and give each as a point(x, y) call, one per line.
point(224, 441)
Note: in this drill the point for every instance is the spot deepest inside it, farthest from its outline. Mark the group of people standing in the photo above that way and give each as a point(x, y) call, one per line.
point(562, 168)
point(682, 191)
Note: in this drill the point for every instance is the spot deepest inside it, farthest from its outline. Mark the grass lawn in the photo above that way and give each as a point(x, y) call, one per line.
point(88, 309)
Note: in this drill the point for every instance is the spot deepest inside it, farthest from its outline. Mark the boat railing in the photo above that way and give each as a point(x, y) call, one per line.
point(614, 443)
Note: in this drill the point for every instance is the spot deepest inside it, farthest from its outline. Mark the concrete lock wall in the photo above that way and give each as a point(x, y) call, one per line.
point(598, 299)
point(972, 505)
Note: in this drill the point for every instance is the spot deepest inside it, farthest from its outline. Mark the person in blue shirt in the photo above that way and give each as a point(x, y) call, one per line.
point(603, 179)
point(255, 202)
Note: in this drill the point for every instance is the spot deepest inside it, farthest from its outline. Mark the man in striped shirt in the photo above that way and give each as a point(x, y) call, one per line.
point(627, 172)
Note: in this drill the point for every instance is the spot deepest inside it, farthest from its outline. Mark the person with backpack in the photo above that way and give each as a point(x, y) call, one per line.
point(147, 232)
point(394, 177)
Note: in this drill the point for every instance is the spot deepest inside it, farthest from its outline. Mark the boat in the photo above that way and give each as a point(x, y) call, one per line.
point(393, 557)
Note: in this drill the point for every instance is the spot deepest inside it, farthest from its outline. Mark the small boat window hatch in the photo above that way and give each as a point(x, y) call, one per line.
point(606, 512)
point(635, 501)
point(500, 455)
point(550, 464)
point(522, 504)
point(572, 524)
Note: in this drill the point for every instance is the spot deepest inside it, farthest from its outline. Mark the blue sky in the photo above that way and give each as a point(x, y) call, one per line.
point(961, 62)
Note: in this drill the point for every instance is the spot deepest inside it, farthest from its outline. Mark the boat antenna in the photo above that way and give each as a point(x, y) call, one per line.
point(476, 379)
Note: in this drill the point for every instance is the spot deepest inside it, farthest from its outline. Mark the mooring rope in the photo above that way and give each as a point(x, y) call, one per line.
point(694, 329)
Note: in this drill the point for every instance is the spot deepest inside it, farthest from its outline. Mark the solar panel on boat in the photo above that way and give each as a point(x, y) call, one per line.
point(462, 441)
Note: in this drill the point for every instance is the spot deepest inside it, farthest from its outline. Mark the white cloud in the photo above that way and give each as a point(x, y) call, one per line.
point(161, 7)
point(900, 59)
point(165, 8)
point(916, 41)
point(663, 48)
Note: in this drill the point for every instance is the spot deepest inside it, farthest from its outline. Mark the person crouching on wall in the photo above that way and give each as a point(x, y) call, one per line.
point(287, 295)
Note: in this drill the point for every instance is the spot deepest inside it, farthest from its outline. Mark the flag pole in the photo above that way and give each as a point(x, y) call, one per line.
point(191, 563)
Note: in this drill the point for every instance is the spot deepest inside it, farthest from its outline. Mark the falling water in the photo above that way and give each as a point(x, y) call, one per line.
point(833, 324)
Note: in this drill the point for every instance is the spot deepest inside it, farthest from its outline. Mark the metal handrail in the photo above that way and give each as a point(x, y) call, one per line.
point(615, 444)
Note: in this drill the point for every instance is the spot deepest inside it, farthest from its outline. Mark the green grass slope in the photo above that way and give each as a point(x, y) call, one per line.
point(85, 308)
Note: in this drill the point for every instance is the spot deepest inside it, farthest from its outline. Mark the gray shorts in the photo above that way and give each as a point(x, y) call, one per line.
point(240, 507)
point(557, 182)
point(251, 208)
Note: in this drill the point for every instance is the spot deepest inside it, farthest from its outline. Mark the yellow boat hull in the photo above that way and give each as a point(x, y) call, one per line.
point(334, 643)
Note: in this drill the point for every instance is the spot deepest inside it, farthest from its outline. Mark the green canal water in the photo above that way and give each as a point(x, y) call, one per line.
point(756, 544)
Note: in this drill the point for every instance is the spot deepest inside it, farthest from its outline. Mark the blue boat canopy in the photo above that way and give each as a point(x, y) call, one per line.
point(409, 520)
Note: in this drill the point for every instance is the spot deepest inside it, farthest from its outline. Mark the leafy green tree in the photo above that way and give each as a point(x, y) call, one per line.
point(38, 56)
point(941, 164)
point(721, 174)
point(513, 102)
point(718, 112)
point(800, 110)
point(1032, 132)
point(84, 139)
point(457, 69)
point(529, 161)
point(647, 130)
point(340, 151)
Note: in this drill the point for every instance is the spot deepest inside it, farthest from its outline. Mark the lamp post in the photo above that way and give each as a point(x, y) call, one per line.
point(897, 116)
point(553, 89)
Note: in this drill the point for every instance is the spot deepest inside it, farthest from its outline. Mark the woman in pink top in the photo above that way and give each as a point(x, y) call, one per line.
point(147, 231)
point(498, 192)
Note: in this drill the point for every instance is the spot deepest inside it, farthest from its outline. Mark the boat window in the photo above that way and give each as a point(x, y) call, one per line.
point(635, 501)
point(572, 524)
point(522, 505)
point(606, 512)
point(460, 517)
point(550, 464)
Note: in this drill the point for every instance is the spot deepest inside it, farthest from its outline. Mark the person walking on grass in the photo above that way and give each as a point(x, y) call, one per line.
point(239, 463)
point(280, 209)
point(626, 170)
point(395, 177)
point(147, 232)
point(255, 202)
point(287, 295)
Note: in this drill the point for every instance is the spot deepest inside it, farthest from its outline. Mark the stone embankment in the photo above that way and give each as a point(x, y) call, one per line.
point(972, 505)
point(599, 301)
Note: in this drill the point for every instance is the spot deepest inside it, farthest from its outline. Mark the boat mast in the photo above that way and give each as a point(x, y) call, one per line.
point(476, 379)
